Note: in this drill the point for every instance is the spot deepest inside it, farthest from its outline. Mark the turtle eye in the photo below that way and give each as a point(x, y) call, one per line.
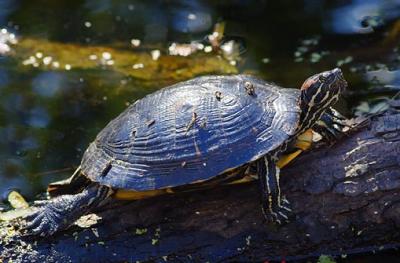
point(322, 79)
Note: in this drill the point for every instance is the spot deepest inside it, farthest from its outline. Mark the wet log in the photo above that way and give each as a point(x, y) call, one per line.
point(346, 198)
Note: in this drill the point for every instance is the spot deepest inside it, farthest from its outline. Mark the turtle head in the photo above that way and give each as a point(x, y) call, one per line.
point(319, 92)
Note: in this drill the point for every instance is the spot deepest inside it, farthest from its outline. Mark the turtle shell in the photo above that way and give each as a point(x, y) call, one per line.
point(191, 132)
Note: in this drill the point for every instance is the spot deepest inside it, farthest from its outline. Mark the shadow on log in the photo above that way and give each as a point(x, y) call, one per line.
point(346, 199)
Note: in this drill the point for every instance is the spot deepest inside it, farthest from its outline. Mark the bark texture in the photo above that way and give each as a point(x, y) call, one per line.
point(346, 198)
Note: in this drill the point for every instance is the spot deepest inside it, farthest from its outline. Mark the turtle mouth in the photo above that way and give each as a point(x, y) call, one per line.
point(341, 83)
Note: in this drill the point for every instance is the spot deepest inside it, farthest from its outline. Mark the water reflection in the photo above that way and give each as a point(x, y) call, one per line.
point(38, 117)
point(362, 16)
point(48, 84)
point(384, 77)
point(192, 17)
point(4, 79)
point(6, 8)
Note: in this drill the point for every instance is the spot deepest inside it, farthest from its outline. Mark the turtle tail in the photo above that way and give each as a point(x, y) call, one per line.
point(75, 184)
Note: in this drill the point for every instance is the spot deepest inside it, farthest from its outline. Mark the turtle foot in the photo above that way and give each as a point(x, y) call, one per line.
point(61, 212)
point(45, 220)
point(281, 214)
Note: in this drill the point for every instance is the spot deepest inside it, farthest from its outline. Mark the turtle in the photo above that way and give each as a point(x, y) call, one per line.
point(190, 133)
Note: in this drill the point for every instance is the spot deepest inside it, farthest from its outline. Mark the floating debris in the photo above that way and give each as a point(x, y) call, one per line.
point(218, 95)
point(208, 49)
point(230, 50)
point(106, 59)
point(39, 54)
point(106, 55)
point(192, 16)
point(30, 61)
point(88, 24)
point(265, 60)
point(40, 59)
point(4, 48)
point(140, 231)
point(155, 54)
point(216, 36)
point(184, 50)
point(309, 47)
point(55, 64)
point(6, 39)
point(346, 60)
point(316, 57)
point(249, 88)
point(135, 42)
point(138, 66)
point(47, 60)
point(192, 121)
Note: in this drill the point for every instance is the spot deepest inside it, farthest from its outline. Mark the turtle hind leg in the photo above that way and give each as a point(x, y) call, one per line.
point(275, 207)
point(61, 212)
point(76, 183)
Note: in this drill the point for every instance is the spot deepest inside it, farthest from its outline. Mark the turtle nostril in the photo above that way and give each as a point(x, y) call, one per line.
point(337, 71)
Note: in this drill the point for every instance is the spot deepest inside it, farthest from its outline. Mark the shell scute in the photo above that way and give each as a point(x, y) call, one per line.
point(177, 149)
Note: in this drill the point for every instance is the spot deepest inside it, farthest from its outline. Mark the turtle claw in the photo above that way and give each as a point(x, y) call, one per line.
point(331, 126)
point(45, 221)
point(61, 212)
point(281, 214)
point(51, 216)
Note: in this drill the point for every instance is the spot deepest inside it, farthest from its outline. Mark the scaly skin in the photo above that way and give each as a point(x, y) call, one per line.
point(61, 212)
point(103, 157)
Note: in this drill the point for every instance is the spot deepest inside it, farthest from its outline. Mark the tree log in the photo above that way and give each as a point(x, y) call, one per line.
point(346, 198)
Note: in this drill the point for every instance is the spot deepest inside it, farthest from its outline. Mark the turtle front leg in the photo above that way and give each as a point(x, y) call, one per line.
point(331, 126)
point(61, 212)
point(275, 207)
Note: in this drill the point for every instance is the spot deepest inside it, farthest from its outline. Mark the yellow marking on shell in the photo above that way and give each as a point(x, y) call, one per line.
point(304, 141)
point(245, 179)
point(169, 190)
point(122, 194)
point(286, 159)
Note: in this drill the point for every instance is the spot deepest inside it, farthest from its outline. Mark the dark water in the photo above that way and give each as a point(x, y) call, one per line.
point(48, 117)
